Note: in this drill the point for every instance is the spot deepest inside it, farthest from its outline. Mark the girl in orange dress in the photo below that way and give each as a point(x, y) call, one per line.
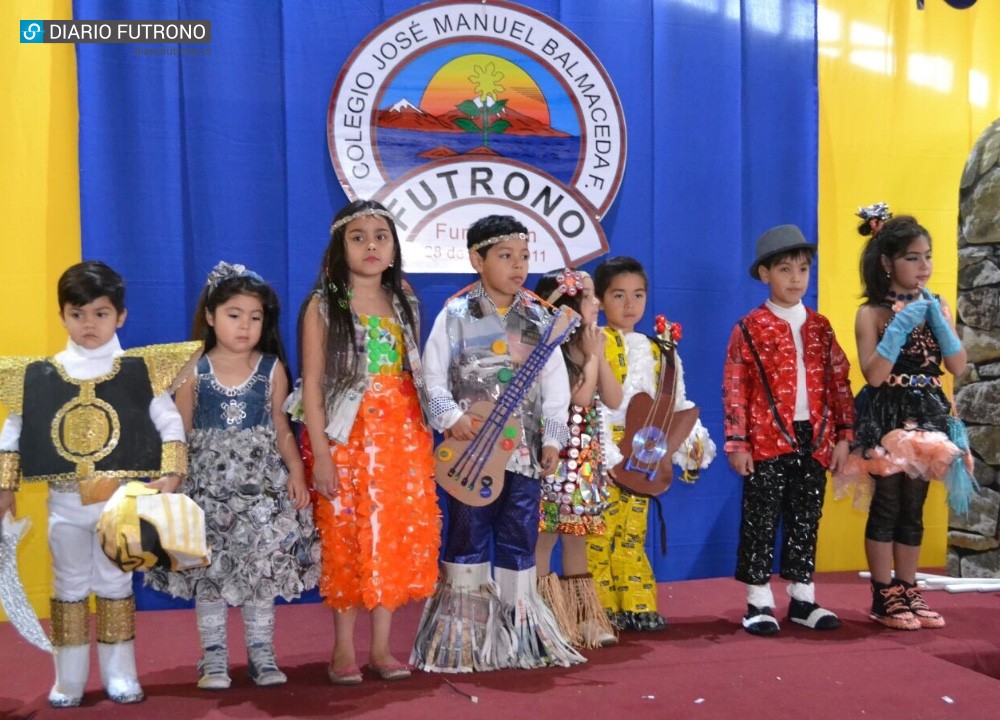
point(372, 468)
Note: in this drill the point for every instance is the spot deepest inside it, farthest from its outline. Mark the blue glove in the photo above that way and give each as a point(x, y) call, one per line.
point(901, 326)
point(939, 325)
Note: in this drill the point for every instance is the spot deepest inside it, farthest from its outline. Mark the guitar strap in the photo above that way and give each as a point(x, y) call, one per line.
point(668, 374)
point(477, 453)
point(767, 387)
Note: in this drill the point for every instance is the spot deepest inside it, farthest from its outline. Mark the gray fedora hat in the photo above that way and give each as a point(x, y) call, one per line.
point(778, 240)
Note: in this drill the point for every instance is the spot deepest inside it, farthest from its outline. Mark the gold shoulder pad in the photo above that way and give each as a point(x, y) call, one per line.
point(12, 381)
point(167, 364)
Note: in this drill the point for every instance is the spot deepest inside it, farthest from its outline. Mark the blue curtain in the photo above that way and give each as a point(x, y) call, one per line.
point(189, 159)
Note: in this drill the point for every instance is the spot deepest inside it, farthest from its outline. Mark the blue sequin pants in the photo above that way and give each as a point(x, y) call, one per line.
point(510, 522)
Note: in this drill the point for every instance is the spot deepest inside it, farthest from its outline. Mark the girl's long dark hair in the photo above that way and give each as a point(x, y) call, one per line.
point(212, 297)
point(892, 240)
point(333, 284)
point(547, 283)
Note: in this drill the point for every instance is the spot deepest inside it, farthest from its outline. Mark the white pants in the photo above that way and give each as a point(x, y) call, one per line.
point(79, 565)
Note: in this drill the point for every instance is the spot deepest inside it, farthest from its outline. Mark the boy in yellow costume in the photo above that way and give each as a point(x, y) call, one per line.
point(625, 581)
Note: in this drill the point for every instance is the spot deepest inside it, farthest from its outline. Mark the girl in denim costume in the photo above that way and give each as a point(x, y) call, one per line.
point(246, 473)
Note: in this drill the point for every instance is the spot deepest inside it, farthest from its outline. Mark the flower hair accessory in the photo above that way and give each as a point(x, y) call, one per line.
point(570, 283)
point(360, 214)
point(876, 211)
point(225, 271)
point(667, 331)
point(498, 239)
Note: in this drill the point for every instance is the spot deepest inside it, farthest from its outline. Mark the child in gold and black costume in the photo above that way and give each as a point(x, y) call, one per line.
point(85, 421)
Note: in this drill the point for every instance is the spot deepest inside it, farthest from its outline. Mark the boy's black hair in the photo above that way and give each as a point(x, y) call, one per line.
point(492, 226)
point(769, 262)
point(87, 281)
point(611, 268)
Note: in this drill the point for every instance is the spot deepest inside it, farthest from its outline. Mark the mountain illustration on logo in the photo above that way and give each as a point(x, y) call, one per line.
point(404, 115)
point(476, 104)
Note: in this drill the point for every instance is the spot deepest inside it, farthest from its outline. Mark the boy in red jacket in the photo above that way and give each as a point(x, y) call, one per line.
point(789, 417)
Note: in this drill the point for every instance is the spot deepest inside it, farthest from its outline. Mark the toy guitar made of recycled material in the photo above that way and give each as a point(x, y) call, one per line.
point(653, 432)
point(472, 471)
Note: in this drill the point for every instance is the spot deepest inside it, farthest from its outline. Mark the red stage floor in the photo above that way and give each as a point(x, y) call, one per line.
point(703, 667)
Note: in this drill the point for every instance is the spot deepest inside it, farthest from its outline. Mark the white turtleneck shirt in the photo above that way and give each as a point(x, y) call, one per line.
point(795, 316)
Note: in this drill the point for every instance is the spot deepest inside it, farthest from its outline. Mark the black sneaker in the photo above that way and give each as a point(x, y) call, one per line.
point(890, 607)
point(647, 621)
point(618, 620)
point(812, 615)
point(760, 621)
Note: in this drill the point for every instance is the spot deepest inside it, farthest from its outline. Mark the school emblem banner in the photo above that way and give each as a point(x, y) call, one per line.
point(456, 110)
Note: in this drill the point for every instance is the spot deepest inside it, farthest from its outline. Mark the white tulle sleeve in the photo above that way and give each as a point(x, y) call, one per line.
point(686, 456)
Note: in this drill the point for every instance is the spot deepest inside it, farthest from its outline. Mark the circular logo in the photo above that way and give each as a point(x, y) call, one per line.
point(455, 110)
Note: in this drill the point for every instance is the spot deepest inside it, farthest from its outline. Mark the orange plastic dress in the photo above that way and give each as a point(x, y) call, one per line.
point(380, 535)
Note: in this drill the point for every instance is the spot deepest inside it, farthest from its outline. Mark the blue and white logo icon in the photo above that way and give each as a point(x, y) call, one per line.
point(32, 31)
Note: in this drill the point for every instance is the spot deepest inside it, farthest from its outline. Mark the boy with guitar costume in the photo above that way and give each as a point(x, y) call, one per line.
point(789, 417)
point(625, 581)
point(486, 338)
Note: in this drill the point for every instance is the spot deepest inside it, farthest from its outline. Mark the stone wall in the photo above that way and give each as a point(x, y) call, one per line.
point(973, 540)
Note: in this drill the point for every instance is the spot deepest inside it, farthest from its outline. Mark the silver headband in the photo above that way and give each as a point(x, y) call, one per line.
point(225, 271)
point(360, 214)
point(498, 239)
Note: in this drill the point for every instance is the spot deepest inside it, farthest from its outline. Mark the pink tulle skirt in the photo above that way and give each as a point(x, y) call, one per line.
point(918, 453)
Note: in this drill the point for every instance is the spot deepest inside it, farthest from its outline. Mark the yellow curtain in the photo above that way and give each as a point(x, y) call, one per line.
point(39, 220)
point(903, 95)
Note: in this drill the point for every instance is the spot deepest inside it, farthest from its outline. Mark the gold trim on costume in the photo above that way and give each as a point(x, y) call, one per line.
point(166, 363)
point(174, 458)
point(12, 381)
point(115, 619)
point(116, 366)
point(70, 623)
point(69, 482)
point(10, 471)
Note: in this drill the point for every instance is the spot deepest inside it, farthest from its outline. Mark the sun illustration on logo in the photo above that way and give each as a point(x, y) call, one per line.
point(477, 103)
point(486, 80)
point(489, 76)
